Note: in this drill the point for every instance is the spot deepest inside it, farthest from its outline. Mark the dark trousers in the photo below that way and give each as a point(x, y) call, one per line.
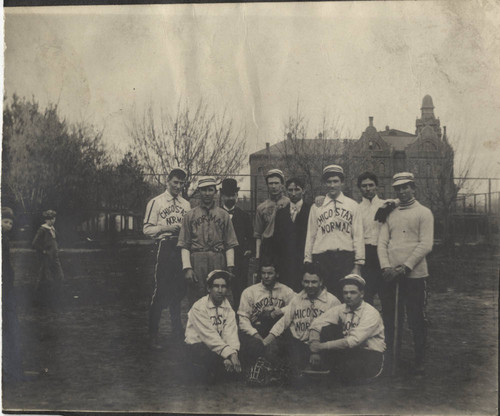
point(49, 287)
point(289, 350)
point(205, 364)
point(351, 364)
point(239, 282)
point(334, 265)
point(170, 285)
point(412, 294)
point(252, 348)
point(372, 274)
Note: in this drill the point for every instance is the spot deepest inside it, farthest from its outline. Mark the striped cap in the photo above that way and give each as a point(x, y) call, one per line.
point(275, 172)
point(205, 181)
point(218, 274)
point(332, 170)
point(353, 279)
point(402, 178)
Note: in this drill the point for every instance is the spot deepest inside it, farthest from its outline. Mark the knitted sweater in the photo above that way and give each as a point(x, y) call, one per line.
point(406, 238)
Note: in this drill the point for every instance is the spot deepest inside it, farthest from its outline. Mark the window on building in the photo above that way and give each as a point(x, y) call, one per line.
point(428, 170)
point(381, 168)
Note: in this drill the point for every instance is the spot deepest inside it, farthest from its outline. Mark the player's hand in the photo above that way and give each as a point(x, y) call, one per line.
point(276, 313)
point(315, 360)
point(257, 336)
point(235, 362)
point(389, 274)
point(228, 365)
point(172, 228)
point(230, 269)
point(315, 347)
point(402, 270)
point(269, 340)
point(247, 253)
point(190, 276)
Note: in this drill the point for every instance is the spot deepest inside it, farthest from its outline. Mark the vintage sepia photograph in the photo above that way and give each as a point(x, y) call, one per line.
point(251, 208)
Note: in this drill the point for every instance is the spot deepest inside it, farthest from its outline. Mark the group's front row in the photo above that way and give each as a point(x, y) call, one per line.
point(281, 334)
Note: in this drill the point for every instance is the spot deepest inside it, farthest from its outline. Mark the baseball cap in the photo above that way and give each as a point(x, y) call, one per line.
point(218, 274)
point(275, 172)
point(332, 170)
point(205, 181)
point(353, 279)
point(177, 169)
point(7, 213)
point(402, 177)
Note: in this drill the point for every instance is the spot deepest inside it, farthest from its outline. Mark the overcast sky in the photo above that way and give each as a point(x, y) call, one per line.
point(349, 60)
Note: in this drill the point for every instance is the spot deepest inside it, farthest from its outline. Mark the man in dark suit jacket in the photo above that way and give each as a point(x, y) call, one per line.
point(242, 224)
point(290, 230)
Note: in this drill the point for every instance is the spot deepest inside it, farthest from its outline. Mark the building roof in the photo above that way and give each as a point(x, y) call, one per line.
point(397, 139)
point(328, 145)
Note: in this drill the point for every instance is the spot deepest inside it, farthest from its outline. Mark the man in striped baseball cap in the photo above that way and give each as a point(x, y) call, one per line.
point(404, 241)
point(207, 240)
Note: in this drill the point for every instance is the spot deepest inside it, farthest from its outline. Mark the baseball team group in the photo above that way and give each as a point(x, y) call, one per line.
point(309, 309)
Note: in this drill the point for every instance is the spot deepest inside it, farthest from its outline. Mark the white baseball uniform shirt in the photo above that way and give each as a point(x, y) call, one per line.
point(164, 210)
point(301, 311)
point(255, 298)
point(335, 225)
point(215, 326)
point(362, 327)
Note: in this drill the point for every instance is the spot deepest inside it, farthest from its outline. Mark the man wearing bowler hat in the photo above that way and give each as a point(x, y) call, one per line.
point(242, 224)
point(404, 241)
point(207, 240)
point(335, 233)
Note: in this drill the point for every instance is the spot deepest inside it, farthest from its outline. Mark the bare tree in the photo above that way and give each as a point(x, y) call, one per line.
point(445, 179)
point(199, 141)
point(306, 157)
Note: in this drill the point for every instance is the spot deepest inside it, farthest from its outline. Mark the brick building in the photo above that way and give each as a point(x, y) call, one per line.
point(427, 153)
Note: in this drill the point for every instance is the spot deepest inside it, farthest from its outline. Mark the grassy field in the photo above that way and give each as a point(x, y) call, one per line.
point(94, 353)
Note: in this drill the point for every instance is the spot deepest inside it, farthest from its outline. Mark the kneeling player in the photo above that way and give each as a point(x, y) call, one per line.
point(211, 331)
point(291, 332)
point(260, 308)
point(349, 339)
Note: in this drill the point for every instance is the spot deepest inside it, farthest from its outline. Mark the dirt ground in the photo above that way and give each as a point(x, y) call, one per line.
point(94, 353)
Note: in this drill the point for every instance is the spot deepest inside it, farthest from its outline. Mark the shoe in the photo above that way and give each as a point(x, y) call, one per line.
point(154, 343)
point(315, 371)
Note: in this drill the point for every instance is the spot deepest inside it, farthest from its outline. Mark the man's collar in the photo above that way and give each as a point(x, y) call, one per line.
point(298, 205)
point(322, 296)
point(169, 196)
point(367, 201)
point(48, 227)
point(229, 209)
point(211, 305)
point(269, 289)
point(340, 198)
point(212, 205)
point(357, 310)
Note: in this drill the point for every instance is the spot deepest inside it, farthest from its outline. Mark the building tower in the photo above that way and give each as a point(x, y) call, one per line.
point(428, 118)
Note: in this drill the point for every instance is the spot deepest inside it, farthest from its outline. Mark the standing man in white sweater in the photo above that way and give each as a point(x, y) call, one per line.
point(404, 241)
point(335, 233)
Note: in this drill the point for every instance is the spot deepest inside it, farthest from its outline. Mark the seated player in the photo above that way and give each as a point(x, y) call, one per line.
point(349, 339)
point(291, 332)
point(260, 308)
point(211, 331)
